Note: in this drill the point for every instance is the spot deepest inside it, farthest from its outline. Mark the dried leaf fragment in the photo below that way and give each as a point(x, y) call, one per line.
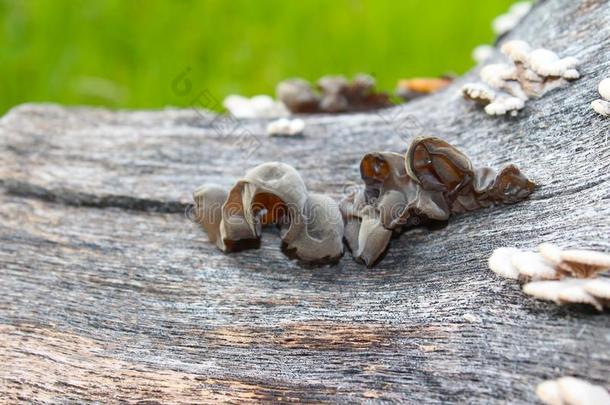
point(409, 89)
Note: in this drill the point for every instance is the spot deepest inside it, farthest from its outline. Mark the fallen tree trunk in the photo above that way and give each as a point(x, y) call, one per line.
point(108, 293)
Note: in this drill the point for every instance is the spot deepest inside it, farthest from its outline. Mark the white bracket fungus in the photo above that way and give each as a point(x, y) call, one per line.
point(595, 292)
point(286, 127)
point(575, 268)
point(311, 225)
point(504, 104)
point(479, 93)
point(602, 106)
point(572, 391)
point(530, 73)
point(261, 106)
point(517, 264)
point(550, 262)
point(500, 262)
point(576, 262)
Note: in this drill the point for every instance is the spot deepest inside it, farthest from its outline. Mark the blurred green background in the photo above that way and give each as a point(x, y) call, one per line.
point(122, 53)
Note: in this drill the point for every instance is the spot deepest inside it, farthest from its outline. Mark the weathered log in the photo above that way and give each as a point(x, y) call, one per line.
point(108, 293)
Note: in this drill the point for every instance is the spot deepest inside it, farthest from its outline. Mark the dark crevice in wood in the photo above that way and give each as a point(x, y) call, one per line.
point(80, 199)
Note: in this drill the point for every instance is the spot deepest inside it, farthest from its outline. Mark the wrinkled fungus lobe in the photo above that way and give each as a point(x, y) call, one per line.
point(311, 226)
point(432, 181)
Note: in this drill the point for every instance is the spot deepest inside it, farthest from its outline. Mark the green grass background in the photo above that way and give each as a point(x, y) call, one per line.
point(122, 53)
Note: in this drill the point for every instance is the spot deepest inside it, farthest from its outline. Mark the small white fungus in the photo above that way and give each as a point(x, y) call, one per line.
point(549, 393)
point(550, 262)
point(528, 74)
point(471, 318)
point(547, 63)
point(479, 92)
point(599, 288)
point(550, 290)
point(504, 104)
point(496, 74)
point(500, 262)
point(534, 265)
point(571, 291)
point(576, 262)
point(517, 50)
point(576, 294)
point(604, 89)
point(550, 252)
point(600, 106)
point(589, 257)
point(482, 53)
point(572, 391)
point(286, 127)
point(261, 106)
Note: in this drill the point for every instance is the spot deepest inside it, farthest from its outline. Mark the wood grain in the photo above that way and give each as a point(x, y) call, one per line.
point(109, 293)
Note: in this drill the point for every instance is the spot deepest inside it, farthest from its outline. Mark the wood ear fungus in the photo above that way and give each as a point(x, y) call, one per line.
point(335, 94)
point(432, 181)
point(311, 226)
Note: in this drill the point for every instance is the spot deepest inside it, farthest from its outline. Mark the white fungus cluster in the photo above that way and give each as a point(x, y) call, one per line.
point(572, 391)
point(286, 127)
point(553, 274)
point(530, 73)
point(507, 21)
point(595, 292)
point(261, 106)
point(602, 106)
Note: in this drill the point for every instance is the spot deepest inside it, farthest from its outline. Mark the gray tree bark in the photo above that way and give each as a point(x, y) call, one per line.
point(108, 293)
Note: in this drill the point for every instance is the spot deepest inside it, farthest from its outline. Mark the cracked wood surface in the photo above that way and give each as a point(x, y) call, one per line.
point(108, 293)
